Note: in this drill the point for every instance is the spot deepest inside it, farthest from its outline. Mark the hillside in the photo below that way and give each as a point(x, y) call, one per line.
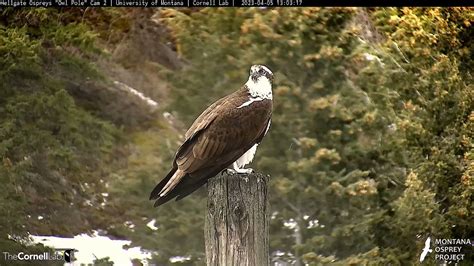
point(370, 151)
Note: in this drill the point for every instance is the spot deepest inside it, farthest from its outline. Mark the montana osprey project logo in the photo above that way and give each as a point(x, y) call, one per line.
point(426, 249)
point(447, 250)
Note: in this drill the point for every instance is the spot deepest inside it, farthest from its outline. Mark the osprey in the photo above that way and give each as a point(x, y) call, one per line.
point(225, 135)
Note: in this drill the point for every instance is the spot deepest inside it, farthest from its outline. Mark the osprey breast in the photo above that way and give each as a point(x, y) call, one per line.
point(247, 157)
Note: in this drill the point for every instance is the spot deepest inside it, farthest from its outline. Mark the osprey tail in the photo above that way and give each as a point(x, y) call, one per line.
point(167, 184)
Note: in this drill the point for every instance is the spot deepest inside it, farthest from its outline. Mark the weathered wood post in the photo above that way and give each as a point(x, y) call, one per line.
point(236, 230)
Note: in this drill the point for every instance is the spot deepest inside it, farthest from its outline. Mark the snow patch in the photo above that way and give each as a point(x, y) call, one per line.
point(152, 225)
point(291, 224)
point(88, 248)
point(140, 95)
point(371, 57)
point(129, 224)
point(179, 259)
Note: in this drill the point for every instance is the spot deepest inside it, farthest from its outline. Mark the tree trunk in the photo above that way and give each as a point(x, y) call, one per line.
point(298, 239)
point(236, 229)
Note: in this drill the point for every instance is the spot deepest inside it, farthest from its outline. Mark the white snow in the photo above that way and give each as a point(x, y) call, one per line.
point(140, 95)
point(179, 259)
point(152, 225)
point(291, 224)
point(88, 248)
point(371, 57)
point(313, 224)
point(130, 225)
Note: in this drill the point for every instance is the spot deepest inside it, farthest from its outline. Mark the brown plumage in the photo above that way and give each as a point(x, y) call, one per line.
point(217, 138)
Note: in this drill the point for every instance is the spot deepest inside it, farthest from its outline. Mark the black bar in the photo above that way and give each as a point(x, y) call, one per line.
point(222, 3)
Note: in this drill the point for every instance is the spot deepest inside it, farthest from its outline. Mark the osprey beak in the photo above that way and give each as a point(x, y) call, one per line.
point(254, 76)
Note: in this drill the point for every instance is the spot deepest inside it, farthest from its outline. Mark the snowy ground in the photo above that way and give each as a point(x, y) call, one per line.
point(94, 247)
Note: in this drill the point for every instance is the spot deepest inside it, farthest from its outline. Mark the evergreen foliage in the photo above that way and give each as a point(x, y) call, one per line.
point(370, 149)
point(376, 136)
point(54, 153)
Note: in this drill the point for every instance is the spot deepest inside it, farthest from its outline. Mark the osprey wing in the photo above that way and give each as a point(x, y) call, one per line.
point(224, 135)
point(206, 117)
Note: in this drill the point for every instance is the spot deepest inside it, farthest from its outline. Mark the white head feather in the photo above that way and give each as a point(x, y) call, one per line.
point(259, 83)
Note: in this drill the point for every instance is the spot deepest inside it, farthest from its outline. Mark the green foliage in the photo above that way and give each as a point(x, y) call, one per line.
point(17, 49)
point(218, 28)
point(376, 138)
point(103, 262)
point(427, 53)
point(50, 26)
point(370, 149)
point(317, 117)
point(179, 225)
point(57, 138)
point(70, 27)
point(54, 153)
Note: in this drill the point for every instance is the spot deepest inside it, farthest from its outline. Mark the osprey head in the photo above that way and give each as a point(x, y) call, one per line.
point(260, 82)
point(258, 71)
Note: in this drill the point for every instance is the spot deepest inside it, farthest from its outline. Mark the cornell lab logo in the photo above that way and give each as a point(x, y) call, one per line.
point(446, 250)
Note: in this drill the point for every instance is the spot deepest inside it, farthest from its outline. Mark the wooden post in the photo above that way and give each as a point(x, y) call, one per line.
point(236, 230)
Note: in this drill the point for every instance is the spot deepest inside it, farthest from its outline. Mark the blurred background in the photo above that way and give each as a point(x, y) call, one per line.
point(370, 152)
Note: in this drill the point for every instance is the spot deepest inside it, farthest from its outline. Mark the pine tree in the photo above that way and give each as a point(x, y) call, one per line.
point(427, 65)
point(349, 135)
point(326, 183)
point(54, 153)
point(370, 149)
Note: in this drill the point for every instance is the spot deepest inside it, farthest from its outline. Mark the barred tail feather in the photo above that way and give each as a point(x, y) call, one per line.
point(155, 194)
point(174, 180)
